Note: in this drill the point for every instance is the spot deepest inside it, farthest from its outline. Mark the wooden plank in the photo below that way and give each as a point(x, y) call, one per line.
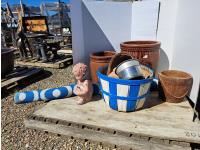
point(62, 63)
point(65, 51)
point(28, 73)
point(161, 120)
point(112, 140)
point(16, 72)
point(66, 46)
point(36, 64)
point(64, 60)
point(57, 64)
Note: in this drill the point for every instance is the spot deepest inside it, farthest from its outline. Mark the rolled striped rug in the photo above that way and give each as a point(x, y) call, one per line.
point(48, 94)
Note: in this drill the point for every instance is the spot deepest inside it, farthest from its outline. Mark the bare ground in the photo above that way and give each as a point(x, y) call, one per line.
point(14, 134)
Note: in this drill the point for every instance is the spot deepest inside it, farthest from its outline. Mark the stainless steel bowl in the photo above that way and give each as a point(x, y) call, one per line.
point(129, 69)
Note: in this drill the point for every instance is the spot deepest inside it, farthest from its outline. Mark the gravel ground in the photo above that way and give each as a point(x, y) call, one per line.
point(14, 134)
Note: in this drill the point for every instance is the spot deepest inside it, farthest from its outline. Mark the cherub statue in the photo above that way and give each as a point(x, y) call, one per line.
point(83, 88)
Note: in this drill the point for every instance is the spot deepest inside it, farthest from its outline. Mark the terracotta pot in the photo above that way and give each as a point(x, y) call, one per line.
point(7, 61)
point(147, 52)
point(174, 85)
point(99, 59)
point(116, 60)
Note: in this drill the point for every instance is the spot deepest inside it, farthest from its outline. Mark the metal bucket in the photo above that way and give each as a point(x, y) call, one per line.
point(129, 69)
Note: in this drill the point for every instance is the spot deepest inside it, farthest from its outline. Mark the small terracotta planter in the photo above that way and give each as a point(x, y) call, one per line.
point(147, 52)
point(99, 59)
point(174, 85)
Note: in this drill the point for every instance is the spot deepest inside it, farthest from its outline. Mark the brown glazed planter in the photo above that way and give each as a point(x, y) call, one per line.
point(174, 85)
point(7, 61)
point(116, 60)
point(147, 52)
point(99, 59)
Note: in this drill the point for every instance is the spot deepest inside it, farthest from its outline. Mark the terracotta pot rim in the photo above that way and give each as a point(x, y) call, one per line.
point(171, 100)
point(147, 44)
point(162, 74)
point(93, 56)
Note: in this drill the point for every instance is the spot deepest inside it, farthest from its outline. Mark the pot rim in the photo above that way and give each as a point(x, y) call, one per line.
point(124, 81)
point(119, 68)
point(8, 50)
point(189, 76)
point(140, 43)
point(93, 56)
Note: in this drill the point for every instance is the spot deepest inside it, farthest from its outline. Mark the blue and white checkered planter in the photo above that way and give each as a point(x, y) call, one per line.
point(124, 95)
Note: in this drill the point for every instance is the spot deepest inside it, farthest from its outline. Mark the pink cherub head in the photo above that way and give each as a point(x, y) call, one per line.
point(79, 71)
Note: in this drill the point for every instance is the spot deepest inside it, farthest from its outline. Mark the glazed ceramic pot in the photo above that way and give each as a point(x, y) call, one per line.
point(116, 60)
point(99, 59)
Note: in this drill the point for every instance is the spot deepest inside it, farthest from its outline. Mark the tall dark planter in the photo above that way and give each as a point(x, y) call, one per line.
point(7, 61)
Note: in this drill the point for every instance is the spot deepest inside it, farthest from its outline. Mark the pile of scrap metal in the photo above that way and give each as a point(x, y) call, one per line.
point(59, 23)
point(34, 31)
point(30, 31)
point(8, 26)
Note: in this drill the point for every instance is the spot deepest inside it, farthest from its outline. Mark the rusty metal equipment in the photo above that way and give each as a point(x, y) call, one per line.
point(9, 25)
point(36, 30)
point(35, 25)
point(28, 24)
point(59, 23)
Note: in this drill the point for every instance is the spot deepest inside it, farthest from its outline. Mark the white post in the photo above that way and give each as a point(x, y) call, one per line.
point(186, 54)
point(77, 31)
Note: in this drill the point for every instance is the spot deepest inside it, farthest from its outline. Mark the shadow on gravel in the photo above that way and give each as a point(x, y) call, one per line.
point(26, 82)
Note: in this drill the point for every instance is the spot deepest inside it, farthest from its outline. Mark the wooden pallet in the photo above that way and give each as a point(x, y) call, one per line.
point(63, 61)
point(18, 75)
point(65, 51)
point(158, 126)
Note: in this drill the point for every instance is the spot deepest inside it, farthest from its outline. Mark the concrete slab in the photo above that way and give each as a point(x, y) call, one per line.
point(158, 122)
